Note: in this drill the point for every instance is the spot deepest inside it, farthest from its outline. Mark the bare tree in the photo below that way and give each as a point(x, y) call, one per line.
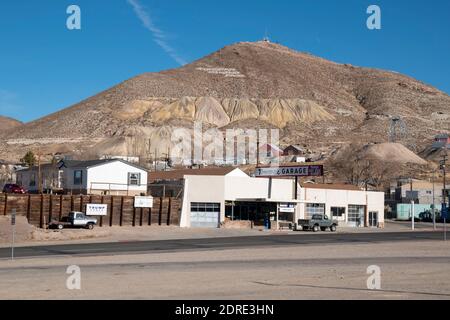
point(6, 175)
point(353, 166)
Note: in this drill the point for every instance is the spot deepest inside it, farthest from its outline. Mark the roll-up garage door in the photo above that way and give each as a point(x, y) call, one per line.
point(205, 215)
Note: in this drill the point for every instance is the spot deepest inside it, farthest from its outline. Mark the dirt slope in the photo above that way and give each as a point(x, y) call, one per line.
point(313, 102)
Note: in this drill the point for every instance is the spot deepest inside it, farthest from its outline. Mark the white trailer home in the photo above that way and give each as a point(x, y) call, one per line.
point(106, 177)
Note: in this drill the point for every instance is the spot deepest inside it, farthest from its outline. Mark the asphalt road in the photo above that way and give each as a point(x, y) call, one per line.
point(123, 248)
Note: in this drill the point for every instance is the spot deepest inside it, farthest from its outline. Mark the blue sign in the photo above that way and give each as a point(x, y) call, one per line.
point(444, 211)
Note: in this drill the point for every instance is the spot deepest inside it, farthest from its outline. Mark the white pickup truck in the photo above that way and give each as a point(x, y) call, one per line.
point(74, 220)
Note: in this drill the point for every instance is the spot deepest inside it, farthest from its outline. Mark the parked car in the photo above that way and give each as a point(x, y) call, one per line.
point(13, 188)
point(74, 220)
point(316, 223)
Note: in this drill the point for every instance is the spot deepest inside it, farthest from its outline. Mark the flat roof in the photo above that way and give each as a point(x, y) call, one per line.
point(291, 164)
point(269, 200)
point(181, 173)
point(331, 186)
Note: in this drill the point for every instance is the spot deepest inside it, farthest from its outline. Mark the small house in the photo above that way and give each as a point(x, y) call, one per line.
point(270, 151)
point(293, 150)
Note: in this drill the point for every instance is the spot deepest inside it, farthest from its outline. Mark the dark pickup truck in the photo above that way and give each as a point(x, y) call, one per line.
point(317, 223)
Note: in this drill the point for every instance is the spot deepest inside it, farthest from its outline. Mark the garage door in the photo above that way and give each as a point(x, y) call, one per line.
point(205, 215)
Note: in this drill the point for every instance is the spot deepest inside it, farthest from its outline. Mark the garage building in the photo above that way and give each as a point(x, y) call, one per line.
point(210, 196)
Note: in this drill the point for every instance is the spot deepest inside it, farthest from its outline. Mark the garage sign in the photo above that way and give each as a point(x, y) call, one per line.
point(96, 209)
point(294, 171)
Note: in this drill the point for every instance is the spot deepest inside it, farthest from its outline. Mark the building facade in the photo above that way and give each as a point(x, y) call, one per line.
point(107, 177)
point(349, 205)
point(210, 200)
point(425, 194)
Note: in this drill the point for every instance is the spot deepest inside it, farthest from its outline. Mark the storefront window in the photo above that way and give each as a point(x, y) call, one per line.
point(337, 211)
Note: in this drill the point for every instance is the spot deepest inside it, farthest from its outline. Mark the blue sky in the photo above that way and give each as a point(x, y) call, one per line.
point(44, 67)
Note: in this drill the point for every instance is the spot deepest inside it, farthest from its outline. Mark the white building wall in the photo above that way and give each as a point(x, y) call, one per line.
point(258, 188)
point(237, 173)
point(246, 188)
point(114, 176)
point(374, 201)
point(210, 189)
point(213, 189)
point(218, 189)
point(283, 189)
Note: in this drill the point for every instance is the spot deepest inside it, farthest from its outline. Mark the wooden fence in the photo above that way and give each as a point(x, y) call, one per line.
point(39, 209)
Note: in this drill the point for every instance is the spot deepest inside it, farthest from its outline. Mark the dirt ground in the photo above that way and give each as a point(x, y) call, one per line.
point(409, 270)
point(27, 235)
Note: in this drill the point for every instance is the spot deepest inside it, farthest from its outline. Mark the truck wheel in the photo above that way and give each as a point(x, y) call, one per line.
point(333, 228)
point(60, 227)
point(90, 226)
point(316, 228)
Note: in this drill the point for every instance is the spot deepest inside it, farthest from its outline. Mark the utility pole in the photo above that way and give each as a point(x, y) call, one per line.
point(444, 191)
point(434, 201)
point(257, 151)
point(444, 163)
point(166, 159)
point(39, 172)
point(149, 152)
point(412, 206)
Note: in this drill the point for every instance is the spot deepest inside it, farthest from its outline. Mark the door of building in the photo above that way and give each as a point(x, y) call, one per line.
point(205, 215)
point(356, 216)
point(373, 219)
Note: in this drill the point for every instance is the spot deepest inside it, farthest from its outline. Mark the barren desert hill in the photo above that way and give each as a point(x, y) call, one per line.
point(7, 123)
point(311, 100)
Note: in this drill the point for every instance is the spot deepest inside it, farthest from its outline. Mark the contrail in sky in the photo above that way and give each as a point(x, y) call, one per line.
point(158, 35)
